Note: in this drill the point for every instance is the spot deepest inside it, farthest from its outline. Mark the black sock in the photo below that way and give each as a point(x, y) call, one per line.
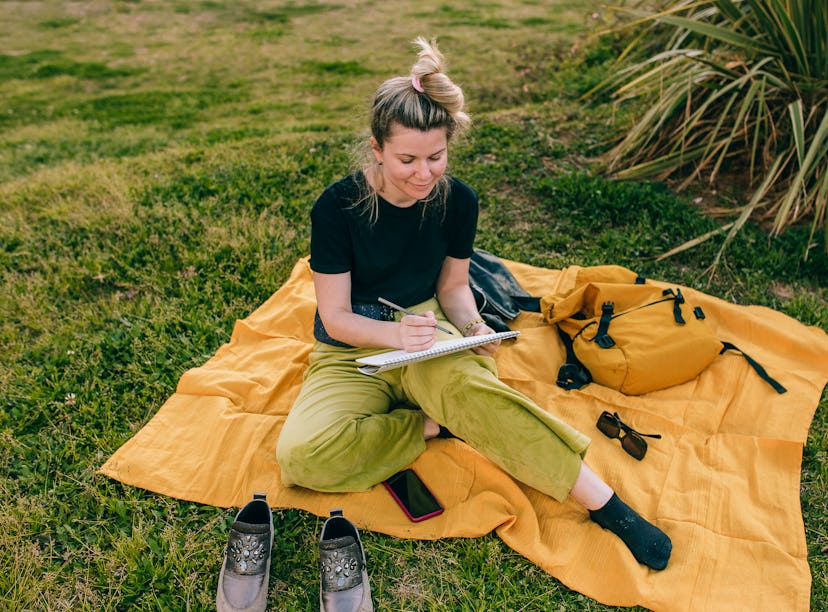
point(648, 544)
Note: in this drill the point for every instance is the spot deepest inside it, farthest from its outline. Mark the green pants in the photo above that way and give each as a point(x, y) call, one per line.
point(348, 431)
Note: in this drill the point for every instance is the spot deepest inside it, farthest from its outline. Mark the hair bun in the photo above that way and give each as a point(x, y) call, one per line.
point(429, 73)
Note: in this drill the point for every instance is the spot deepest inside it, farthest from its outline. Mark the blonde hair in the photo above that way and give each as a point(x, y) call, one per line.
point(427, 99)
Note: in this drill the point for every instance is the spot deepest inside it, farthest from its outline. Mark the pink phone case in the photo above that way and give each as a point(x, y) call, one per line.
point(411, 517)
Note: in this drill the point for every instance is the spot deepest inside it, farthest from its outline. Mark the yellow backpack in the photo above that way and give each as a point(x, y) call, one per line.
point(631, 336)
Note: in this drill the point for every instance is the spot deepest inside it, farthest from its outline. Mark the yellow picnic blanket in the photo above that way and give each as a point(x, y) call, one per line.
point(723, 481)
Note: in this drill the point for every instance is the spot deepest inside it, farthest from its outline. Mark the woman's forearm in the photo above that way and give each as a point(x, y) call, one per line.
point(358, 330)
point(458, 305)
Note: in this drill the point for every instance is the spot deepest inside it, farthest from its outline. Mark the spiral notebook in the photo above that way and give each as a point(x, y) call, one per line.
point(395, 359)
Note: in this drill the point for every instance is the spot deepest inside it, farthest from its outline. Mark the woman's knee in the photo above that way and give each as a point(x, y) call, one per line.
point(321, 464)
point(301, 462)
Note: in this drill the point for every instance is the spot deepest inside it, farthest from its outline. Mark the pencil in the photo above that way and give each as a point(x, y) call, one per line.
point(408, 312)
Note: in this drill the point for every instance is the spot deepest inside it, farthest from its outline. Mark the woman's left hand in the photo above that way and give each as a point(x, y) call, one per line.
point(488, 349)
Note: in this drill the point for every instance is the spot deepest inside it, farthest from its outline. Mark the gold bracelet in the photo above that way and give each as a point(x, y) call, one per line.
point(467, 327)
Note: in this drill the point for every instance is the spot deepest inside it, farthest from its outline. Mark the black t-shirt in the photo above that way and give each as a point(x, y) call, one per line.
point(399, 256)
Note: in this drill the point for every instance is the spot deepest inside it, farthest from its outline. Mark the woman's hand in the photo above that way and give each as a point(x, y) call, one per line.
point(489, 349)
point(418, 332)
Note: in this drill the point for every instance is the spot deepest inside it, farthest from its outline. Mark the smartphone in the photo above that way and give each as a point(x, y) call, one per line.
point(412, 495)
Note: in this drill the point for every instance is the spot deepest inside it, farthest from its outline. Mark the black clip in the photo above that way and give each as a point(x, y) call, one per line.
point(602, 338)
point(677, 308)
point(605, 341)
point(571, 376)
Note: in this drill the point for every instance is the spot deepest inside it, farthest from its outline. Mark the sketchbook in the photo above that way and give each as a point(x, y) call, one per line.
point(395, 359)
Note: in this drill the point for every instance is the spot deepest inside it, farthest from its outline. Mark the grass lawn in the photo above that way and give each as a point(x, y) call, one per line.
point(158, 161)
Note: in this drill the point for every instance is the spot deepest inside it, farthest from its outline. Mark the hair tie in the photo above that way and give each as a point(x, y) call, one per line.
point(415, 83)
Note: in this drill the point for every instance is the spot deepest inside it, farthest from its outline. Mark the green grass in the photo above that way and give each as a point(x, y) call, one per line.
point(157, 165)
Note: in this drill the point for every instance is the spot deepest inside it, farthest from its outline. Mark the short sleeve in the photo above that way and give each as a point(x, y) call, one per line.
point(330, 235)
point(461, 221)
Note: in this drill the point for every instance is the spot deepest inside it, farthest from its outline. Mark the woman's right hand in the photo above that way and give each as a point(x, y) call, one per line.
point(418, 332)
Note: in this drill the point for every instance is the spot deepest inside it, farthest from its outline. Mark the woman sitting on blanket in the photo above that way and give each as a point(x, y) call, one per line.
point(402, 229)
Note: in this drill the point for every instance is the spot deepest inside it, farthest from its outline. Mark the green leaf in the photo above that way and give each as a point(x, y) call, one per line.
point(718, 33)
point(814, 160)
point(798, 128)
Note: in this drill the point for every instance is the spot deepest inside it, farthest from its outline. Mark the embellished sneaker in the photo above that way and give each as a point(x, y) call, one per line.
point(344, 585)
point(242, 585)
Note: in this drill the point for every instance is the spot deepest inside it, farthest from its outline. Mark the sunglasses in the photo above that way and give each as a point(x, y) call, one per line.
point(632, 441)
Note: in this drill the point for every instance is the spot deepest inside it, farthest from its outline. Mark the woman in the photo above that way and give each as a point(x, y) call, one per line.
point(402, 229)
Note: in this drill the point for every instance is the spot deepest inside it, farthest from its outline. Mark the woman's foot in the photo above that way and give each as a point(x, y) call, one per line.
point(648, 544)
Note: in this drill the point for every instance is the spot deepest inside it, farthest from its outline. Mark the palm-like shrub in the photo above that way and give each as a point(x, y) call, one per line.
point(732, 85)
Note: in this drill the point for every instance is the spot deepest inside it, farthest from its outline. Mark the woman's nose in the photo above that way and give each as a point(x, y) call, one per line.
point(422, 170)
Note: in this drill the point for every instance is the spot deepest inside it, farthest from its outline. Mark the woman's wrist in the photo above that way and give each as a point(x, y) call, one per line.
point(470, 325)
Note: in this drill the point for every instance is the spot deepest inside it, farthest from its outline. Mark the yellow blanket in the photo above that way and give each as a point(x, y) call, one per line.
point(723, 481)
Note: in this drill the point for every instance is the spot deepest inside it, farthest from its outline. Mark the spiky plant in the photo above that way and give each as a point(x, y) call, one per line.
point(734, 85)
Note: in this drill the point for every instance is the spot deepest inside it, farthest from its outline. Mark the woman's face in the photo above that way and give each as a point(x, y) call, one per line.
point(412, 163)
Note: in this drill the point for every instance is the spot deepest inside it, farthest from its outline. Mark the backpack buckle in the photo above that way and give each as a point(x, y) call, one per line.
point(602, 338)
point(605, 341)
point(677, 317)
point(571, 376)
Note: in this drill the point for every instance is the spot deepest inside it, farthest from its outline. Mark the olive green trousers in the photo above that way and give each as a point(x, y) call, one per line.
point(348, 431)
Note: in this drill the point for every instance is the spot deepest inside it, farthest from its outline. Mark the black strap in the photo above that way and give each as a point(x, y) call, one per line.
point(763, 374)
point(602, 337)
point(572, 374)
point(677, 308)
point(529, 304)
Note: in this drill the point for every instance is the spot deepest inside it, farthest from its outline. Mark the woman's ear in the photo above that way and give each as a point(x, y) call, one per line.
point(376, 149)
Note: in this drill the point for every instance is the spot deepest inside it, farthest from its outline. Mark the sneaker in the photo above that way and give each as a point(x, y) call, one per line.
point(344, 585)
point(242, 585)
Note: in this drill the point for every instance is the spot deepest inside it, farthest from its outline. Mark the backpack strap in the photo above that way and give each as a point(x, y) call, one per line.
point(529, 304)
point(602, 337)
point(572, 374)
point(677, 308)
point(678, 300)
point(763, 374)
